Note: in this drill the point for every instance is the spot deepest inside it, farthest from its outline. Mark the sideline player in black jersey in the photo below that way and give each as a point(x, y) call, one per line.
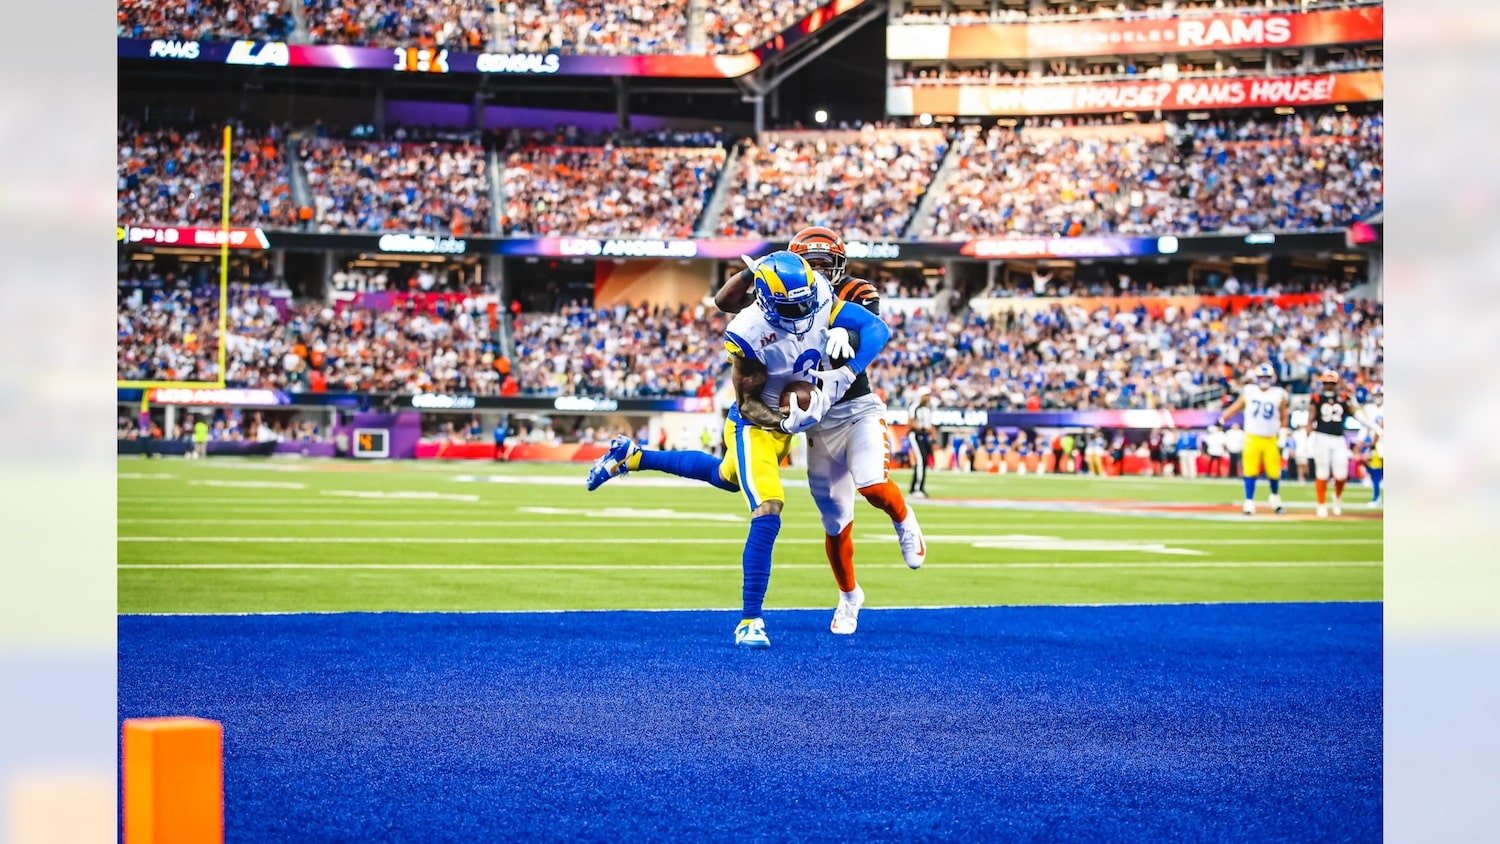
point(849, 450)
point(1331, 406)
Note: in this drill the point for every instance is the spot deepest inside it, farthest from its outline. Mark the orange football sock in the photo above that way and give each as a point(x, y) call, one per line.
point(840, 550)
point(1338, 487)
point(887, 497)
point(1322, 487)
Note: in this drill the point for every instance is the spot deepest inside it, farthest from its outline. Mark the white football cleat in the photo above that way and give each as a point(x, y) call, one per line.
point(1249, 507)
point(751, 633)
point(1322, 511)
point(1338, 505)
point(1276, 504)
point(1375, 504)
point(846, 614)
point(913, 544)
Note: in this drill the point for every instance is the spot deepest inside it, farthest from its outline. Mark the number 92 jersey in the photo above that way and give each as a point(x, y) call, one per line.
point(787, 357)
point(1328, 413)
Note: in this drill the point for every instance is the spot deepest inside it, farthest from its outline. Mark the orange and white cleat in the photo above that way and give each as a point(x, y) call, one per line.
point(913, 544)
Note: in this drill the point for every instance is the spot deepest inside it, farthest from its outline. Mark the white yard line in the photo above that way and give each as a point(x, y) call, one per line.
point(322, 503)
point(250, 484)
point(399, 495)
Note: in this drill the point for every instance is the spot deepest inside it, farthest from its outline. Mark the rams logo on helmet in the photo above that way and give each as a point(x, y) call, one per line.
point(788, 291)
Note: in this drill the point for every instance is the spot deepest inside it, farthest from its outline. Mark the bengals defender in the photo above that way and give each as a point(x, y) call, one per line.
point(1325, 421)
point(848, 450)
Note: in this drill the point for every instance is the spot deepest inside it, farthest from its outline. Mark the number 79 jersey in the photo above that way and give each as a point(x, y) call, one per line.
point(1263, 410)
point(787, 357)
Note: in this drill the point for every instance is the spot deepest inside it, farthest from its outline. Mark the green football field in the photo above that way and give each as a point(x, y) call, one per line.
point(287, 535)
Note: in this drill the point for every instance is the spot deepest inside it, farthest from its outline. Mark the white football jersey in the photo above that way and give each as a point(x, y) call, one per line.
point(787, 357)
point(1263, 410)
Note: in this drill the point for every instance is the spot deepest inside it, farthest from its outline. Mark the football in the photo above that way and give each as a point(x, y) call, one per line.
point(802, 390)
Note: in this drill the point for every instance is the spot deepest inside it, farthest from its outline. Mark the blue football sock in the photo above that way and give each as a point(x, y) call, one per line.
point(1376, 476)
point(1275, 486)
point(1250, 488)
point(697, 465)
point(757, 561)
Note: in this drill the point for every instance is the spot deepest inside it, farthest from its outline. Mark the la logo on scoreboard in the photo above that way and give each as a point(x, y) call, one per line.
point(269, 54)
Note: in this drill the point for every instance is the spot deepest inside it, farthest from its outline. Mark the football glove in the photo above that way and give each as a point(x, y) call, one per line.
point(838, 347)
point(835, 382)
point(798, 420)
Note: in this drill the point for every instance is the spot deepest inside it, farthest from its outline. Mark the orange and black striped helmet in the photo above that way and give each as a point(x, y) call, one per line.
point(822, 248)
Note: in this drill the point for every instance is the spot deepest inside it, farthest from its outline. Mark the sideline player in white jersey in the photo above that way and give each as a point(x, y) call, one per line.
point(1266, 413)
point(1330, 409)
point(1375, 446)
point(848, 451)
point(781, 341)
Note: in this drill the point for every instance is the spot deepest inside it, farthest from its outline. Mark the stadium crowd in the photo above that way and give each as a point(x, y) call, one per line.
point(1053, 356)
point(596, 27)
point(202, 20)
point(174, 176)
point(738, 26)
point(1298, 172)
point(171, 333)
point(434, 187)
point(451, 24)
point(864, 184)
point(620, 351)
point(1065, 357)
point(1310, 170)
point(637, 191)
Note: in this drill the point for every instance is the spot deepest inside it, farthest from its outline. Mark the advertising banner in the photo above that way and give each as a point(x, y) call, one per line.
point(431, 60)
point(237, 238)
point(730, 249)
point(1154, 305)
point(441, 61)
point(1186, 33)
point(1164, 95)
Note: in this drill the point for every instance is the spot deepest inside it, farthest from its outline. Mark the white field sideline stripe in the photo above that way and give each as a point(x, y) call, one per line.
point(902, 607)
point(460, 540)
point(393, 519)
point(1219, 564)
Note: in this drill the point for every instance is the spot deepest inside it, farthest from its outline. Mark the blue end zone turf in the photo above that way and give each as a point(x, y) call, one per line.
point(1225, 722)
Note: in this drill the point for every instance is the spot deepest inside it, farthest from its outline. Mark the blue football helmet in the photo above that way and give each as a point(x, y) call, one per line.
point(788, 291)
